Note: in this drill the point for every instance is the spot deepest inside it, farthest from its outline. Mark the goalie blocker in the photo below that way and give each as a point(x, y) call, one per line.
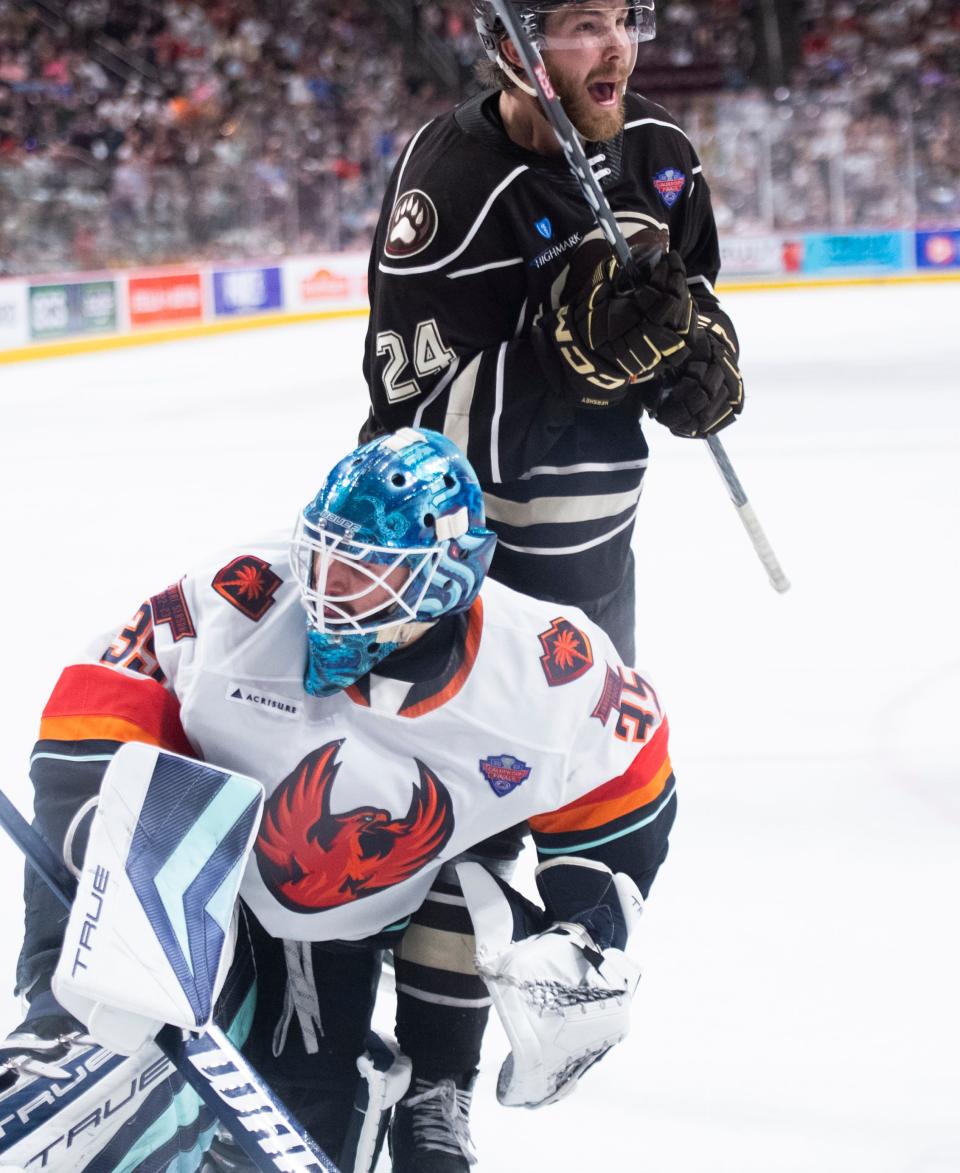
point(562, 979)
point(149, 940)
point(123, 973)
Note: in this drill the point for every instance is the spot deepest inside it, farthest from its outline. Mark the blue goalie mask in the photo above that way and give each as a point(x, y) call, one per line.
point(394, 540)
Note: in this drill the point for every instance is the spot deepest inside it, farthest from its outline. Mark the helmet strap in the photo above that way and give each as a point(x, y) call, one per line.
point(509, 70)
point(402, 633)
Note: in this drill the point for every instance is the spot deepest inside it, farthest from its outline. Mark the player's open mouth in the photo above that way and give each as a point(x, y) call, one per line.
point(604, 93)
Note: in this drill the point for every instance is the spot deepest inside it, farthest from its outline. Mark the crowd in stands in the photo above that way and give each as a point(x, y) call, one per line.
point(138, 131)
point(144, 130)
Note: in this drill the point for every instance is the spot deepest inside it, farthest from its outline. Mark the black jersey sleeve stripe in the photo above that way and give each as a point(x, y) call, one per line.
point(637, 846)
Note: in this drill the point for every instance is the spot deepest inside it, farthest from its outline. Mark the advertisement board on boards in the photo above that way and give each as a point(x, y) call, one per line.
point(247, 291)
point(326, 282)
point(868, 252)
point(938, 249)
point(158, 299)
point(753, 256)
point(60, 310)
point(14, 326)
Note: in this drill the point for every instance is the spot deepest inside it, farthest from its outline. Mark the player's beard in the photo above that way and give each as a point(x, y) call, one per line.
point(592, 121)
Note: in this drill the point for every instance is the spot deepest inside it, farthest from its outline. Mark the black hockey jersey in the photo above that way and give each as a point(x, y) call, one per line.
point(474, 244)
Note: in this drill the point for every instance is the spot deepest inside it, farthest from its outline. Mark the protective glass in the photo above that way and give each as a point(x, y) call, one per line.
point(350, 586)
point(588, 26)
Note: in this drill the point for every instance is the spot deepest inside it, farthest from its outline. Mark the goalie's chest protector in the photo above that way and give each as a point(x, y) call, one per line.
point(370, 791)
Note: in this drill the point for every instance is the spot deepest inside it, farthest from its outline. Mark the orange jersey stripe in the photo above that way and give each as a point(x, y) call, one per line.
point(639, 785)
point(95, 729)
point(581, 818)
point(93, 702)
point(471, 647)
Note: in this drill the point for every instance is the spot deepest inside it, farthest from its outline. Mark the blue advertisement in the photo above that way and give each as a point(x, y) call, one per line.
point(246, 291)
point(939, 249)
point(862, 250)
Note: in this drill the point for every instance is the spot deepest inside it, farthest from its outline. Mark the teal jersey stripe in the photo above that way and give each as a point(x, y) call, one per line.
point(239, 1029)
point(190, 1162)
point(181, 1113)
point(185, 1108)
point(401, 924)
point(573, 848)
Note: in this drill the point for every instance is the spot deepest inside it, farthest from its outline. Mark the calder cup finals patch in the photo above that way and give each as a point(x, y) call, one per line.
point(670, 184)
point(504, 773)
point(413, 225)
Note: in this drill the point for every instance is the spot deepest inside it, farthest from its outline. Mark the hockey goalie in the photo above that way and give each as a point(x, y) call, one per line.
point(292, 761)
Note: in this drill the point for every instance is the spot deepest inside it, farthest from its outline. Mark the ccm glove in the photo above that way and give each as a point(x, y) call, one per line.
point(613, 333)
point(706, 394)
point(664, 300)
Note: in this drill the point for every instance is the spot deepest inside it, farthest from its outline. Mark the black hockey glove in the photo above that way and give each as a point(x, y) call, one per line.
point(614, 331)
point(40, 1043)
point(664, 299)
point(706, 393)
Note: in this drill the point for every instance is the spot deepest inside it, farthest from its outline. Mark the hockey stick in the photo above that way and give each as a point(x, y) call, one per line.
point(258, 1122)
point(576, 158)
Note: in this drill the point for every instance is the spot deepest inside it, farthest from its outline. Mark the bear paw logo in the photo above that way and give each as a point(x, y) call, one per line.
point(413, 225)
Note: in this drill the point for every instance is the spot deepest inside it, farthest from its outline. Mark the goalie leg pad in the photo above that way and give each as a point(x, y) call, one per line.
point(385, 1076)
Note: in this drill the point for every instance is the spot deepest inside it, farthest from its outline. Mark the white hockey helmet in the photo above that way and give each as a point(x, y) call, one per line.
point(641, 20)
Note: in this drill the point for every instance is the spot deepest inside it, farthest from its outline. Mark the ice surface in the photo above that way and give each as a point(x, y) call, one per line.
point(799, 1009)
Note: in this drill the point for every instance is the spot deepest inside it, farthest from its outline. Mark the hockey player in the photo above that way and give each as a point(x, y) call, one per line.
point(498, 318)
point(397, 714)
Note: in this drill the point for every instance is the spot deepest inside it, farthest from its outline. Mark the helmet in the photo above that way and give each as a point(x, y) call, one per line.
point(531, 14)
point(394, 540)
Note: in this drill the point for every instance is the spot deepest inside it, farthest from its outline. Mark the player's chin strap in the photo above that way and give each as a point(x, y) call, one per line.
point(563, 993)
point(402, 633)
point(509, 70)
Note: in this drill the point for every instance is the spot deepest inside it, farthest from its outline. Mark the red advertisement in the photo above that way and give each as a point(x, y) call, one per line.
point(165, 298)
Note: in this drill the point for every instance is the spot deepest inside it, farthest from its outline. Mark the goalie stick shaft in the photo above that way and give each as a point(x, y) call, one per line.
point(578, 163)
point(258, 1122)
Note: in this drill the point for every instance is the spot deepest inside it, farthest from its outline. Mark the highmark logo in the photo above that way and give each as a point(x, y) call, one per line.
point(555, 251)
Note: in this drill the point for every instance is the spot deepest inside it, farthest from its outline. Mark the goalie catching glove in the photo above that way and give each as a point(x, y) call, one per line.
point(561, 980)
point(612, 328)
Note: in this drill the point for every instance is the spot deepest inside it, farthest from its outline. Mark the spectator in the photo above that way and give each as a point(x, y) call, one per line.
point(215, 127)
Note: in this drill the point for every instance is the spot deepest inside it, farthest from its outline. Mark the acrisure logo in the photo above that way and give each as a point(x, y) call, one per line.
point(282, 706)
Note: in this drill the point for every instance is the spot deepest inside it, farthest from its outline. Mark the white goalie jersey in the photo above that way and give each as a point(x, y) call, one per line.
point(370, 791)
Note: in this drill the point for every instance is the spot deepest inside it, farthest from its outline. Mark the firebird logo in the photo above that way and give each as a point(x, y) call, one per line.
point(312, 859)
